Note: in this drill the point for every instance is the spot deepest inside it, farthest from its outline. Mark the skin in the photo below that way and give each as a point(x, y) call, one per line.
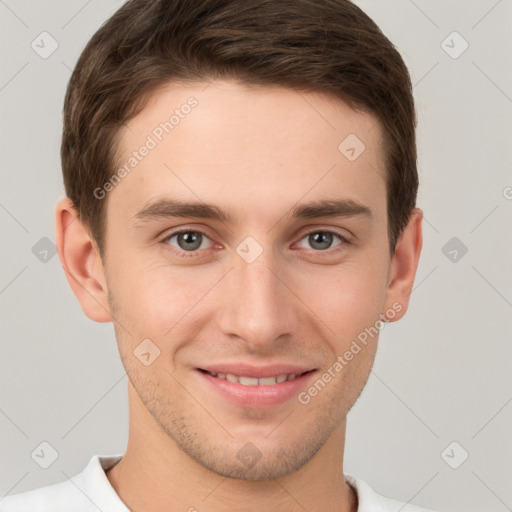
point(257, 153)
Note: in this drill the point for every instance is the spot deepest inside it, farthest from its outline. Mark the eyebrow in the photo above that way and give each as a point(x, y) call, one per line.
point(168, 208)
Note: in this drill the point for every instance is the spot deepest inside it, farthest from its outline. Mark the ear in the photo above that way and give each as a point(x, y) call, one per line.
point(81, 262)
point(404, 264)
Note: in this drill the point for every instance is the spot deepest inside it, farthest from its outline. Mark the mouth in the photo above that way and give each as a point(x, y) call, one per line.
point(256, 381)
point(246, 386)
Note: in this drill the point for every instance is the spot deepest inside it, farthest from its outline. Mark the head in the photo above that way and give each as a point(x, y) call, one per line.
point(291, 127)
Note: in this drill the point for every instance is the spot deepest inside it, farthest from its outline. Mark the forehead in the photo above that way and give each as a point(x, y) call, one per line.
point(255, 150)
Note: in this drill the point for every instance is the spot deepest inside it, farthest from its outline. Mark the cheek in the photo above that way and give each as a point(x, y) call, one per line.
point(153, 298)
point(347, 299)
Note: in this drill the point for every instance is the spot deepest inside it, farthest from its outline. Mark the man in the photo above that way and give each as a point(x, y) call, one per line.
point(241, 185)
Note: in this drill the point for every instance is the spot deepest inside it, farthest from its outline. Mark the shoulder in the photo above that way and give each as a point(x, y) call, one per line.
point(57, 497)
point(85, 492)
point(370, 501)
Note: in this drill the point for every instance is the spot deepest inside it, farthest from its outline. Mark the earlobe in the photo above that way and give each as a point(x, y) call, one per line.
point(404, 264)
point(81, 262)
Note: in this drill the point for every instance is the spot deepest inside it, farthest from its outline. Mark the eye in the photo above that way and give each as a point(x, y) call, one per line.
point(322, 240)
point(188, 240)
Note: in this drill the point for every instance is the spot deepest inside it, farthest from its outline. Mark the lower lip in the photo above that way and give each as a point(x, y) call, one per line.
point(257, 396)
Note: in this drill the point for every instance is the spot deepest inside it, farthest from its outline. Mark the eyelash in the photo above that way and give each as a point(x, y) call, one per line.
point(188, 254)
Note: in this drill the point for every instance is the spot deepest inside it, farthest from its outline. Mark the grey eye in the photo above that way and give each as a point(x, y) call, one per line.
point(188, 240)
point(321, 240)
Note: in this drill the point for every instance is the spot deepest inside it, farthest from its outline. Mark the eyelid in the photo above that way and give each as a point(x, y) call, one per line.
point(325, 230)
point(184, 230)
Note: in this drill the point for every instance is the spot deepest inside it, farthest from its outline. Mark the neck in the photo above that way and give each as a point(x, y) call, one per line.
point(156, 475)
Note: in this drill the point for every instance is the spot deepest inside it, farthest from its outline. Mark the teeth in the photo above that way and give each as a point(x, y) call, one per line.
point(267, 381)
point(255, 381)
point(248, 381)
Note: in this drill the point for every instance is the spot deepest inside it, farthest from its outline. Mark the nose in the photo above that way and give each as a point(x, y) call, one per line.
point(259, 306)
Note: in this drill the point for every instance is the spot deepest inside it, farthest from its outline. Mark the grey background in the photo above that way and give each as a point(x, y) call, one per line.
point(442, 373)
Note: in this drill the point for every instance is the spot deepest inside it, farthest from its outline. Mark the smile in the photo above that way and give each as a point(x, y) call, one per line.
point(264, 387)
point(255, 381)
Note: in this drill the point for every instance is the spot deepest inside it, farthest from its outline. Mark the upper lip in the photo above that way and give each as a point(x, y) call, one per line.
point(246, 370)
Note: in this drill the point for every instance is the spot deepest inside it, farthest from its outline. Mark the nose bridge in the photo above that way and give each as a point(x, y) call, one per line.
point(258, 307)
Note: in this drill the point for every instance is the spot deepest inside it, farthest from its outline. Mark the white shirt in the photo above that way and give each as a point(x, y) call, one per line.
point(91, 491)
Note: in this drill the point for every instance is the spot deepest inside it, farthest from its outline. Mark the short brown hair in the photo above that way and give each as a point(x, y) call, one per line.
point(327, 46)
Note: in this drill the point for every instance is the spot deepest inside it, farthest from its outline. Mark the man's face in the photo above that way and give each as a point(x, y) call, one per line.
point(256, 295)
